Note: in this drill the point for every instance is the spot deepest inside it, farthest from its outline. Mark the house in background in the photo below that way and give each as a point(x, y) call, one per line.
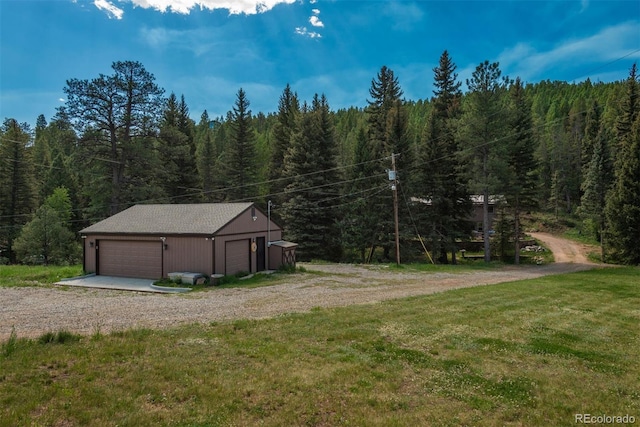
point(151, 241)
point(478, 201)
point(476, 217)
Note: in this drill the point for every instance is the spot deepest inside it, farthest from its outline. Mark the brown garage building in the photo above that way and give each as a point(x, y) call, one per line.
point(151, 241)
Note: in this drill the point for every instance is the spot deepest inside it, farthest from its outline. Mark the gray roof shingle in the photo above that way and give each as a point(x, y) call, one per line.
point(202, 218)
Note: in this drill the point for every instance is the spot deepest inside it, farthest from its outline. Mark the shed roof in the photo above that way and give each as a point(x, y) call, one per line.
point(200, 218)
point(283, 244)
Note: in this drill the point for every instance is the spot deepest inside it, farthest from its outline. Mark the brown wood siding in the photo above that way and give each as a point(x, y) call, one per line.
point(275, 257)
point(130, 258)
point(237, 256)
point(244, 223)
point(193, 254)
point(220, 248)
point(89, 255)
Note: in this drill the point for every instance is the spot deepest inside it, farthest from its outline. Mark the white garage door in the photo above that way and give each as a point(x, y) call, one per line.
point(127, 258)
point(237, 256)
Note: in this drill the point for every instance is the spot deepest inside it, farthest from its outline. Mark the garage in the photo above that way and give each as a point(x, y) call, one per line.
point(238, 256)
point(126, 258)
point(153, 240)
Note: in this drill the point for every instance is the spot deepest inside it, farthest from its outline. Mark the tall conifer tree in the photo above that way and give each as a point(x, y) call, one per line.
point(241, 165)
point(623, 201)
point(357, 219)
point(116, 115)
point(17, 187)
point(387, 132)
point(177, 148)
point(309, 214)
point(597, 181)
point(206, 156)
point(520, 190)
point(484, 132)
point(285, 126)
point(442, 183)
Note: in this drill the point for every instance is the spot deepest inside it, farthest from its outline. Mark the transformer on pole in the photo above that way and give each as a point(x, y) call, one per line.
point(393, 176)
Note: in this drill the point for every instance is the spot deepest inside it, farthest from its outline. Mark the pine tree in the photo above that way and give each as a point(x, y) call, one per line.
point(623, 201)
point(115, 114)
point(61, 141)
point(386, 120)
point(591, 134)
point(357, 219)
point(42, 157)
point(521, 188)
point(241, 165)
point(597, 182)
point(17, 187)
point(177, 148)
point(206, 156)
point(630, 107)
point(442, 184)
point(484, 133)
point(288, 110)
point(309, 214)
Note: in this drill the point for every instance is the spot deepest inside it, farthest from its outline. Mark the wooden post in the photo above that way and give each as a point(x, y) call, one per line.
point(394, 187)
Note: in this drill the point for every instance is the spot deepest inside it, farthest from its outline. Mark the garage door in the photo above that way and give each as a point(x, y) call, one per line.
point(130, 259)
point(237, 256)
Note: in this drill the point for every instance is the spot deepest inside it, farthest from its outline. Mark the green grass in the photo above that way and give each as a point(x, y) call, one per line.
point(532, 353)
point(29, 275)
point(577, 235)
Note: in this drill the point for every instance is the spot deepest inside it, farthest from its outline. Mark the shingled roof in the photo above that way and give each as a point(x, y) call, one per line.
point(201, 218)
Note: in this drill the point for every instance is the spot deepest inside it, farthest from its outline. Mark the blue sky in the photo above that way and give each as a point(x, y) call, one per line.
point(207, 49)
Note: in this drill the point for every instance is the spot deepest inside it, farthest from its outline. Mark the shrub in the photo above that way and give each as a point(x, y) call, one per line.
point(60, 337)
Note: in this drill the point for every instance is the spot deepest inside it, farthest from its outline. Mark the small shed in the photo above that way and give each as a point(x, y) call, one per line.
point(151, 241)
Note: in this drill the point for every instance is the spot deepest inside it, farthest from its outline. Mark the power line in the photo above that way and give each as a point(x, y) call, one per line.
point(226, 189)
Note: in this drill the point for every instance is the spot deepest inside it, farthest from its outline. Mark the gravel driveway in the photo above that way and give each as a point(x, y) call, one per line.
point(36, 310)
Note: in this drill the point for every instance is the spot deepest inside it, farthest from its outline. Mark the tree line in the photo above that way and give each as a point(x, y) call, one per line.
point(119, 141)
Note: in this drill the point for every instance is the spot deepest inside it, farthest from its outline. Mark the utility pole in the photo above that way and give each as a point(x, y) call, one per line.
point(393, 176)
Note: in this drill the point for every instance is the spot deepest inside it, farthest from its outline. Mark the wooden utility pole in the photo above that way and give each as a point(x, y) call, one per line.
point(394, 188)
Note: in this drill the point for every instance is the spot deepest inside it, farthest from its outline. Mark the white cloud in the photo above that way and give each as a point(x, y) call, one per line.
point(404, 15)
point(199, 41)
point(609, 44)
point(315, 11)
point(315, 21)
point(62, 100)
point(584, 4)
point(217, 94)
point(248, 7)
point(304, 32)
point(112, 10)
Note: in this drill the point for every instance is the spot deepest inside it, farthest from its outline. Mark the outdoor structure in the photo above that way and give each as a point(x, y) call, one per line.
point(476, 217)
point(151, 241)
point(478, 202)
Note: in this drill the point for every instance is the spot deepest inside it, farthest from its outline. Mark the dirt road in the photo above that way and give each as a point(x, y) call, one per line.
point(33, 311)
point(564, 251)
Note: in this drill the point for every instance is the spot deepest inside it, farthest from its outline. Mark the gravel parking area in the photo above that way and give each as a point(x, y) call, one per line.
point(34, 311)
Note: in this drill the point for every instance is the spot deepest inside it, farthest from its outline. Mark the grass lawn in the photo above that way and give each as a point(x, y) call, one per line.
point(29, 275)
point(531, 353)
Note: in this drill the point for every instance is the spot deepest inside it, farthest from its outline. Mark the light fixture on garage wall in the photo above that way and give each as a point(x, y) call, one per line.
point(91, 244)
point(164, 243)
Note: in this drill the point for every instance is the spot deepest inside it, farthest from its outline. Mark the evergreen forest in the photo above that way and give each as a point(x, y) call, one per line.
point(553, 146)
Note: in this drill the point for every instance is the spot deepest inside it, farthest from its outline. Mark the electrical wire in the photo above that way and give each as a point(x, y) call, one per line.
point(227, 189)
